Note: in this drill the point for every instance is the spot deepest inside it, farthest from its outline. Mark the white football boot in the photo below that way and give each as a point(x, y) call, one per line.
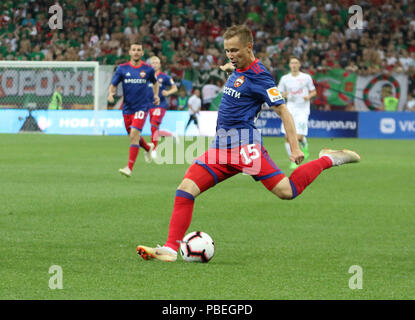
point(340, 157)
point(126, 172)
point(159, 253)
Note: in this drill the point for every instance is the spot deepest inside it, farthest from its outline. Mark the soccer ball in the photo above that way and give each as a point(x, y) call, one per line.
point(197, 246)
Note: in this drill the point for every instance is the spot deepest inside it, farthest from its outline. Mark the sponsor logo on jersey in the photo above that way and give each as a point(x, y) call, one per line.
point(297, 92)
point(160, 80)
point(135, 80)
point(238, 82)
point(142, 74)
point(128, 74)
point(274, 94)
point(231, 92)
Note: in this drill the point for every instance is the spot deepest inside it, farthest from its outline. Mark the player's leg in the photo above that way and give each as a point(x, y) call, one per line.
point(134, 147)
point(304, 175)
point(154, 134)
point(143, 144)
point(196, 121)
point(181, 216)
point(156, 117)
point(138, 123)
point(128, 119)
point(198, 178)
point(302, 141)
point(302, 131)
point(187, 124)
point(154, 114)
point(180, 220)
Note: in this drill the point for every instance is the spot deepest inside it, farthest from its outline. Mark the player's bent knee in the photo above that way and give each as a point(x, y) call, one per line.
point(200, 177)
point(189, 186)
point(135, 136)
point(283, 189)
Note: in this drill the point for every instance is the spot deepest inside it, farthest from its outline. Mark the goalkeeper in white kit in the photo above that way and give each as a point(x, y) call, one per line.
point(298, 89)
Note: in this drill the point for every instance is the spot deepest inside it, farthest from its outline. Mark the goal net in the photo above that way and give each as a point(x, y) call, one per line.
point(41, 85)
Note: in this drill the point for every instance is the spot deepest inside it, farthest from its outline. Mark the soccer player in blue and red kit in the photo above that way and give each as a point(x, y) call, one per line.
point(237, 146)
point(135, 76)
point(167, 88)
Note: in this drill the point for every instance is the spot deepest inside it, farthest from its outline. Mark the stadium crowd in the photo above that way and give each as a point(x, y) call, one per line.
point(186, 34)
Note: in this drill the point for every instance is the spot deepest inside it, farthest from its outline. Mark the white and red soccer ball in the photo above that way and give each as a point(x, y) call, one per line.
point(197, 246)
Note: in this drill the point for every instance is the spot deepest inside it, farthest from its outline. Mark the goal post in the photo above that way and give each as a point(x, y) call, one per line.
point(32, 84)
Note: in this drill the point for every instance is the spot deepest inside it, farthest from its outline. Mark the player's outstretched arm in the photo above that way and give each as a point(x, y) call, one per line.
point(297, 155)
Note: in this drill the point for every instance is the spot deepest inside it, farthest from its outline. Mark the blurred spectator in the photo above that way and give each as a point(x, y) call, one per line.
point(182, 99)
point(209, 92)
point(389, 101)
point(406, 60)
point(187, 34)
point(194, 107)
point(56, 101)
point(410, 103)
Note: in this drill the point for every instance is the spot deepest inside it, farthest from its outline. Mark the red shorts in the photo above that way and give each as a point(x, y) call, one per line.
point(135, 120)
point(156, 116)
point(221, 164)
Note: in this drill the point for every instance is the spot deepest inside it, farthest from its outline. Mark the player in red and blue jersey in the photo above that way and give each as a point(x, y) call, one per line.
point(135, 76)
point(237, 146)
point(167, 88)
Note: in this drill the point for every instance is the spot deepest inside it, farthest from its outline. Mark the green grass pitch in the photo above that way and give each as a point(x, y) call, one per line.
point(63, 202)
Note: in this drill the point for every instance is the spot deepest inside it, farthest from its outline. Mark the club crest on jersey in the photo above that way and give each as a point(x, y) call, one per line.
point(274, 94)
point(142, 74)
point(238, 82)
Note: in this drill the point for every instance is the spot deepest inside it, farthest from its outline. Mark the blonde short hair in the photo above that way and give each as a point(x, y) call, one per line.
point(241, 31)
point(152, 58)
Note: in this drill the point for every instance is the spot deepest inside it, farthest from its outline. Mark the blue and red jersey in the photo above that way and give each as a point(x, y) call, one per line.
point(135, 81)
point(243, 95)
point(165, 81)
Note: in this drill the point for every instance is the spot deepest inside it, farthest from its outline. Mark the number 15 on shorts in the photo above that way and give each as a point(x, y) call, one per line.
point(249, 153)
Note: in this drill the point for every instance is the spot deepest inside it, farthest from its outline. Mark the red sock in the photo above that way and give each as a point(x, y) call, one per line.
point(306, 173)
point(144, 144)
point(154, 135)
point(180, 218)
point(133, 155)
